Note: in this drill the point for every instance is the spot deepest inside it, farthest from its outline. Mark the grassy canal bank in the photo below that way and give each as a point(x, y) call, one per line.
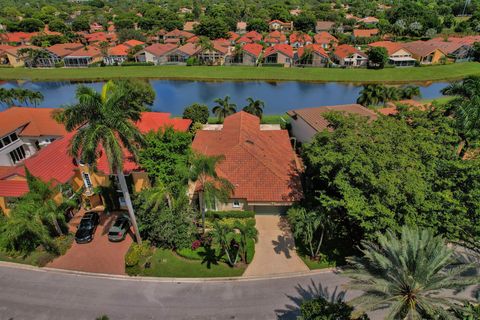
point(389, 75)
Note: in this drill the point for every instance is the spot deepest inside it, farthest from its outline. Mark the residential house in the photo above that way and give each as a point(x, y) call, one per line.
point(181, 54)
point(280, 26)
point(312, 55)
point(249, 55)
point(326, 40)
point(364, 33)
point(83, 57)
point(347, 56)
point(456, 48)
point(57, 52)
point(260, 164)
point(324, 26)
point(241, 27)
point(119, 54)
point(24, 131)
point(98, 37)
point(249, 37)
point(95, 27)
point(156, 53)
point(215, 56)
point(279, 54)
point(425, 53)
point(298, 39)
point(295, 12)
point(232, 37)
point(275, 37)
point(15, 59)
point(17, 38)
point(53, 164)
point(369, 20)
point(3, 54)
point(177, 36)
point(307, 122)
point(397, 54)
point(189, 25)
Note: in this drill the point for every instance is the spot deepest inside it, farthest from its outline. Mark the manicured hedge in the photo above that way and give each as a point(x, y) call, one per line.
point(230, 214)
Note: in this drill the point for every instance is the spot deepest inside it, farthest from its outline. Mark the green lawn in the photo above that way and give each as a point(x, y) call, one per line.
point(313, 265)
point(165, 263)
point(391, 75)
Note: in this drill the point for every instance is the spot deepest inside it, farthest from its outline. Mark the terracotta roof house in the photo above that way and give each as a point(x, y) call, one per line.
point(280, 26)
point(216, 56)
point(298, 39)
point(249, 55)
point(189, 25)
point(424, 52)
point(12, 57)
point(364, 33)
point(397, 54)
point(348, 56)
point(3, 54)
point(458, 49)
point(309, 121)
point(24, 131)
point(232, 37)
point(116, 55)
point(133, 43)
point(369, 20)
point(17, 38)
point(241, 27)
point(312, 55)
point(83, 57)
point(250, 37)
point(323, 26)
point(325, 39)
point(95, 27)
point(279, 54)
point(261, 165)
point(98, 37)
point(181, 54)
point(275, 37)
point(54, 164)
point(156, 53)
point(177, 36)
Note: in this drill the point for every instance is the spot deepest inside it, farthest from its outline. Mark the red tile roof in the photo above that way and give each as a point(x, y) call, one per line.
point(190, 48)
point(421, 48)
point(233, 36)
point(254, 35)
point(391, 47)
point(18, 36)
point(364, 33)
point(300, 37)
point(193, 39)
point(324, 38)
point(261, 165)
point(13, 188)
point(178, 34)
point(314, 48)
point(37, 122)
point(253, 48)
point(90, 51)
point(120, 50)
point(64, 49)
point(343, 51)
point(132, 43)
point(275, 37)
point(160, 49)
point(282, 48)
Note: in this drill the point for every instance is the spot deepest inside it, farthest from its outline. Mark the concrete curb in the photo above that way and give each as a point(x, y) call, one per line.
point(14, 265)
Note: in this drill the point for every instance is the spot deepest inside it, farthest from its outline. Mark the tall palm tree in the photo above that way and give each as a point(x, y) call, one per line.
point(391, 94)
point(158, 196)
point(223, 234)
point(212, 186)
point(372, 95)
point(254, 107)
point(105, 120)
point(247, 231)
point(406, 273)
point(410, 92)
point(223, 108)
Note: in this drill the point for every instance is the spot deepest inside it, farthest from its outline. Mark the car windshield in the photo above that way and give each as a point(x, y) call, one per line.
point(86, 224)
point(119, 223)
point(113, 233)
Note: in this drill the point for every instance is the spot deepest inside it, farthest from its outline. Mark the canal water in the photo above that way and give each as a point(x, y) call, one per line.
point(174, 95)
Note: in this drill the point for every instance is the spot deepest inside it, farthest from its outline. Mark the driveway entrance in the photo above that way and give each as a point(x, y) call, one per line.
point(100, 255)
point(275, 249)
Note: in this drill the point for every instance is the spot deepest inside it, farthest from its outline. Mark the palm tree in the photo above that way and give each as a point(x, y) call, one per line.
point(247, 231)
point(223, 234)
point(391, 94)
point(372, 95)
point(410, 92)
point(31, 56)
point(254, 107)
point(35, 97)
point(158, 196)
point(224, 108)
point(6, 97)
point(406, 273)
point(105, 120)
point(212, 186)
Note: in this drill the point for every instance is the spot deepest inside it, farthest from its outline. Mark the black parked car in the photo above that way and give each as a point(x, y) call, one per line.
point(87, 227)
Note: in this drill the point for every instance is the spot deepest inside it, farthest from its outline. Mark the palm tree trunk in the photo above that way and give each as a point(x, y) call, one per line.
point(57, 227)
point(128, 201)
point(202, 209)
point(320, 243)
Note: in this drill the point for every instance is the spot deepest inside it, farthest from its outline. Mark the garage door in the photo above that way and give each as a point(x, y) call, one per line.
point(273, 210)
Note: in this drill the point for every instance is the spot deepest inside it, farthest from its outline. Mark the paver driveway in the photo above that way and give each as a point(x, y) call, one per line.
point(275, 249)
point(100, 255)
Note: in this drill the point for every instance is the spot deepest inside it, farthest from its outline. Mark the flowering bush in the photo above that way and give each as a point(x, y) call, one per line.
point(196, 244)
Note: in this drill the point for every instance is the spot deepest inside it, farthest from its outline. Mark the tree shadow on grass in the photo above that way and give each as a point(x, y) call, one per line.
point(209, 257)
point(311, 291)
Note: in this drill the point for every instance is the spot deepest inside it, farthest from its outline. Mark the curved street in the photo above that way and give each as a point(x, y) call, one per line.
point(46, 294)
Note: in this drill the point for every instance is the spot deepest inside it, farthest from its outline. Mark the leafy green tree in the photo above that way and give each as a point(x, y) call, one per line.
point(106, 120)
point(377, 57)
point(121, 24)
point(257, 24)
point(129, 34)
point(212, 186)
point(310, 228)
point(165, 157)
point(247, 232)
point(80, 24)
point(372, 95)
point(322, 309)
point(31, 25)
point(213, 28)
point(476, 51)
point(406, 273)
point(254, 107)
point(58, 26)
point(305, 22)
point(32, 56)
point(196, 112)
point(224, 108)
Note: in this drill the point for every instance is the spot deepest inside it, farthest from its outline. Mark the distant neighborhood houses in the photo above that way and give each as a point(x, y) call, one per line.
point(281, 46)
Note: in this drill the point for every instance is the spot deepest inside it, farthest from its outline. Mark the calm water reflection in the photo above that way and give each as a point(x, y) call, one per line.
point(173, 95)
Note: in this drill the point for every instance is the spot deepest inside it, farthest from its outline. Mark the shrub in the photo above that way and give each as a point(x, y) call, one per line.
point(321, 309)
point(197, 113)
point(230, 214)
point(130, 64)
point(137, 253)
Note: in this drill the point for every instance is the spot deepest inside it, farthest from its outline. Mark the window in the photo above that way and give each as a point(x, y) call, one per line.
point(17, 154)
point(5, 141)
point(236, 204)
point(87, 181)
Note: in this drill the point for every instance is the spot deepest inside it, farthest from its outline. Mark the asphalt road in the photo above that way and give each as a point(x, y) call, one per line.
point(39, 294)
